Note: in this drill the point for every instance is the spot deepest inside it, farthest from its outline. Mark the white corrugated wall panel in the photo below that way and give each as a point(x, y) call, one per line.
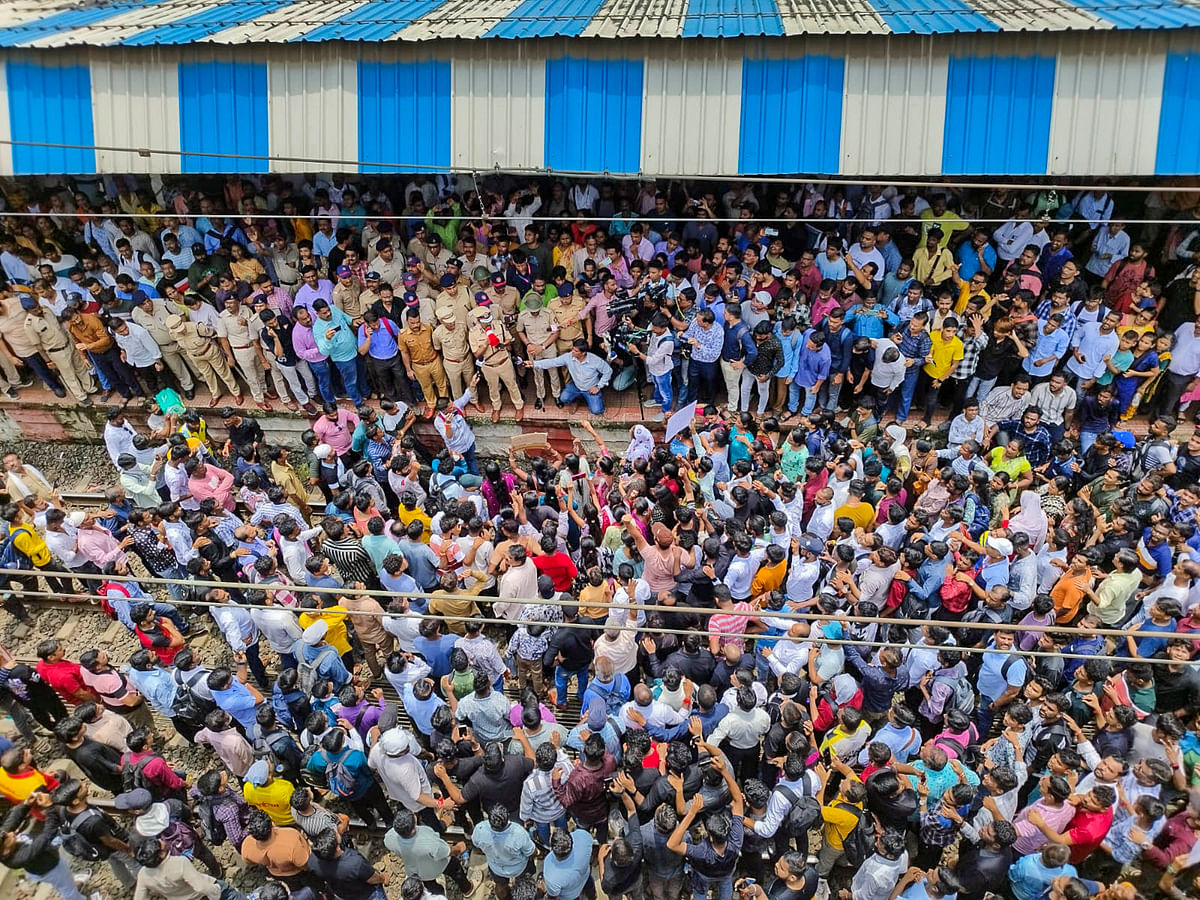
point(6, 162)
point(895, 107)
point(498, 110)
point(313, 90)
point(692, 111)
point(135, 102)
point(1107, 100)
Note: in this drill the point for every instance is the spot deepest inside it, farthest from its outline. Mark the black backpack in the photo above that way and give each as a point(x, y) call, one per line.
point(74, 842)
point(133, 777)
point(803, 814)
point(188, 707)
point(860, 842)
point(211, 828)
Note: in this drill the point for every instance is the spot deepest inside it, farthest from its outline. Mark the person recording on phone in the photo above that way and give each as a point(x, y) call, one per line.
point(714, 858)
point(335, 335)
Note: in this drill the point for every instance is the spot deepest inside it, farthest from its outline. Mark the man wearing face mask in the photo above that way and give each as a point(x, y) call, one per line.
point(490, 342)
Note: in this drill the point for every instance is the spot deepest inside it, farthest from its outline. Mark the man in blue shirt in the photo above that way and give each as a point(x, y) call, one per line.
point(812, 370)
point(840, 341)
point(385, 367)
point(1001, 677)
point(334, 335)
point(738, 351)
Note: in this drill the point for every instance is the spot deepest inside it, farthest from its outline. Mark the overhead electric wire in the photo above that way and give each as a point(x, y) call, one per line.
point(478, 172)
point(539, 601)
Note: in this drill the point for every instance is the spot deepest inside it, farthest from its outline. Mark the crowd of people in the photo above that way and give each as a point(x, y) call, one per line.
point(767, 297)
point(830, 656)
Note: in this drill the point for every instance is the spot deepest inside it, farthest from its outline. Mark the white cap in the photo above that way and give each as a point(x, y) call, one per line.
point(76, 518)
point(153, 821)
point(763, 297)
point(322, 451)
point(1003, 546)
point(315, 633)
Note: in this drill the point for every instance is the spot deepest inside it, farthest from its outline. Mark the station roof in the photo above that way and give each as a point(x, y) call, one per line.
point(59, 23)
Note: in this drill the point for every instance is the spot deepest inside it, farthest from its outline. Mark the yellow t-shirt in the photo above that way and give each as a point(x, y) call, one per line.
point(862, 513)
point(335, 618)
point(839, 822)
point(964, 294)
point(29, 542)
point(275, 799)
point(946, 355)
point(415, 515)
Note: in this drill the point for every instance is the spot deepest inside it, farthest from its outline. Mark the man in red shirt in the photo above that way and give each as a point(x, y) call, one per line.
point(1093, 818)
point(156, 633)
point(62, 674)
point(555, 564)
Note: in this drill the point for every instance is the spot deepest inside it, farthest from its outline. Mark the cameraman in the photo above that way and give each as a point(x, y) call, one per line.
point(658, 357)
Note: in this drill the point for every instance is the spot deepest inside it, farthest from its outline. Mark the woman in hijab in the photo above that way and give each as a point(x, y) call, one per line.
point(641, 446)
point(824, 707)
point(1031, 519)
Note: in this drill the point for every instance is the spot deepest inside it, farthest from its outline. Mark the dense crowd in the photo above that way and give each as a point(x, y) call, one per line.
point(784, 659)
point(788, 299)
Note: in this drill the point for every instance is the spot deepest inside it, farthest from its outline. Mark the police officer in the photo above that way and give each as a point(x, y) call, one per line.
point(490, 342)
point(52, 340)
point(535, 328)
point(202, 351)
point(237, 329)
point(152, 313)
point(451, 340)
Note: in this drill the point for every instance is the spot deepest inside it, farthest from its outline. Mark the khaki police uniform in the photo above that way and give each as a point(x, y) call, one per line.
point(497, 361)
point(199, 345)
point(155, 324)
point(346, 297)
point(454, 345)
point(241, 330)
point(537, 327)
point(461, 301)
point(507, 302)
point(566, 317)
point(50, 338)
point(417, 348)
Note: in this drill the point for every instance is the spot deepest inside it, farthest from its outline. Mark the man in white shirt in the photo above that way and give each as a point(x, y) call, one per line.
point(1014, 235)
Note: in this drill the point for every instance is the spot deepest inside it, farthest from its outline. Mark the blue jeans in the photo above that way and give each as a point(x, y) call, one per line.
point(472, 460)
point(1086, 439)
point(167, 611)
point(810, 400)
point(348, 369)
point(320, 370)
point(595, 402)
point(39, 368)
point(562, 676)
point(543, 828)
point(662, 392)
point(831, 393)
point(700, 886)
point(177, 591)
point(979, 388)
point(907, 388)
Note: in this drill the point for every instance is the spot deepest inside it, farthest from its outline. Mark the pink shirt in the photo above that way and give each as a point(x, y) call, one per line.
point(336, 434)
point(216, 483)
point(98, 545)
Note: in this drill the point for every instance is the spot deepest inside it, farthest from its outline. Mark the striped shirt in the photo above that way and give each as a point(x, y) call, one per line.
point(970, 358)
point(1053, 406)
point(723, 624)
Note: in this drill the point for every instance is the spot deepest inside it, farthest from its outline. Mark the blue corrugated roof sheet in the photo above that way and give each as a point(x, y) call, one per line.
point(50, 23)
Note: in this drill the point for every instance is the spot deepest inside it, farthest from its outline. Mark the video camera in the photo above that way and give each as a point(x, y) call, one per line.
point(622, 305)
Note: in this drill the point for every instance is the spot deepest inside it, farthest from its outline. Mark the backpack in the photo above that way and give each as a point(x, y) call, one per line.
point(74, 842)
point(188, 706)
point(804, 813)
point(264, 748)
point(316, 777)
point(342, 779)
point(307, 671)
point(860, 842)
point(962, 695)
point(10, 556)
point(211, 828)
point(133, 777)
point(1030, 672)
point(105, 604)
